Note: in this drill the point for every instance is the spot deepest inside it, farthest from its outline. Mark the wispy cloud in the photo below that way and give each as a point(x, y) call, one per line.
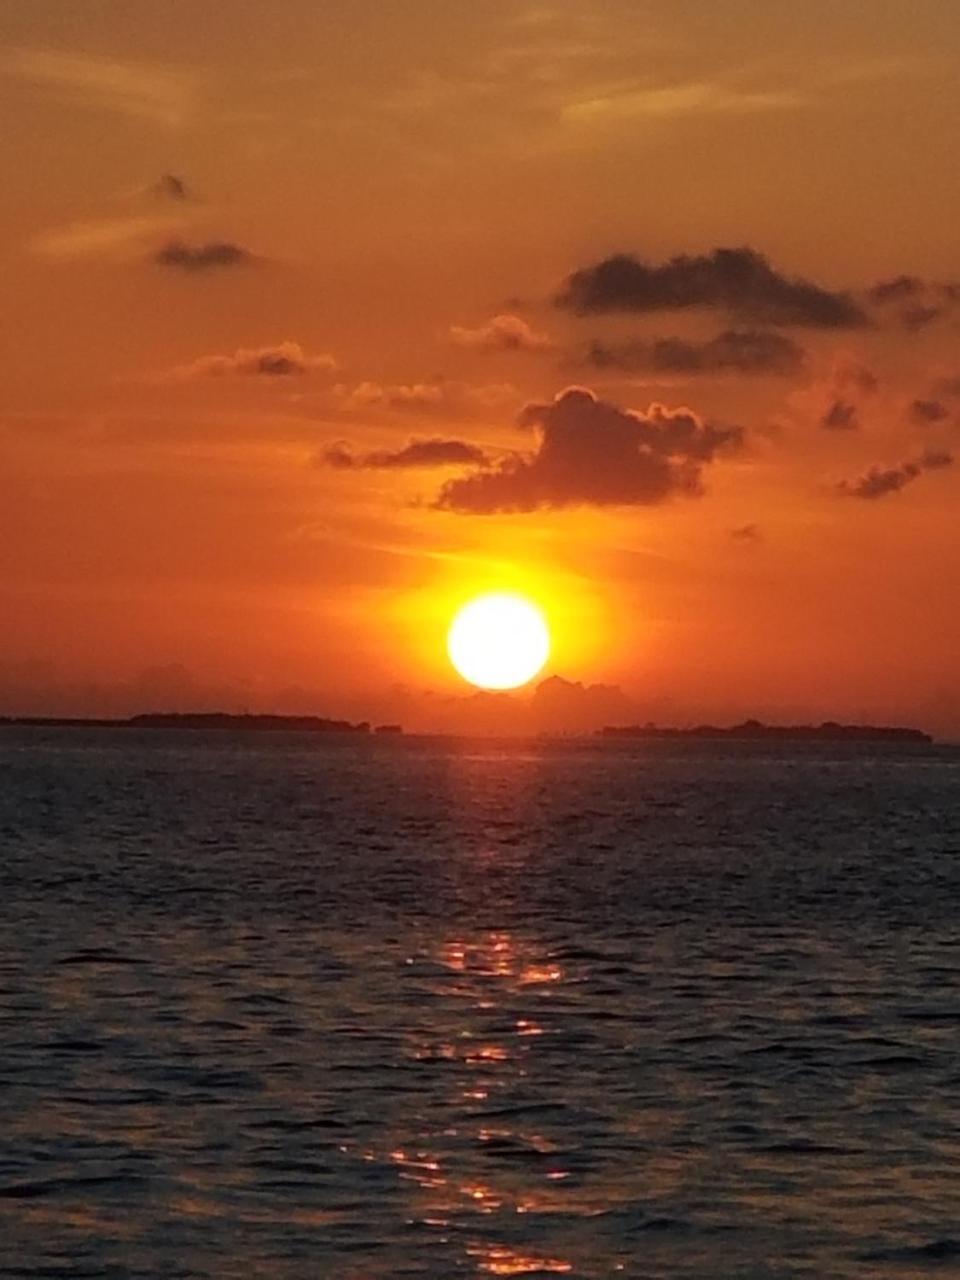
point(100, 236)
point(283, 360)
point(442, 398)
point(670, 102)
point(162, 94)
point(161, 209)
point(743, 351)
point(435, 452)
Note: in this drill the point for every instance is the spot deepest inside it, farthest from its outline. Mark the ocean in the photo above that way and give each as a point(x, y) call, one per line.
point(291, 1006)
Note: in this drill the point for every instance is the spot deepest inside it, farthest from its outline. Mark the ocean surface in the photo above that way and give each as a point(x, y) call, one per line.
point(291, 1006)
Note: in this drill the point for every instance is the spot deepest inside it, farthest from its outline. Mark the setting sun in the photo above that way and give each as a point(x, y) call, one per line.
point(499, 641)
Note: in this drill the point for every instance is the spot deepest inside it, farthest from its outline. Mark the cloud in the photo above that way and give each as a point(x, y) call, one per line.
point(161, 209)
point(738, 280)
point(927, 411)
point(441, 398)
point(286, 359)
point(918, 317)
point(568, 706)
point(435, 452)
point(99, 236)
point(850, 375)
point(735, 351)
point(936, 459)
point(161, 94)
point(747, 533)
point(879, 481)
point(913, 302)
point(897, 289)
point(841, 415)
point(169, 187)
point(202, 257)
point(840, 398)
point(671, 102)
point(502, 333)
point(593, 453)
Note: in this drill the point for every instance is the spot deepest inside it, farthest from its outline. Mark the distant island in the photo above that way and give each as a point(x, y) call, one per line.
point(749, 730)
point(755, 730)
point(202, 720)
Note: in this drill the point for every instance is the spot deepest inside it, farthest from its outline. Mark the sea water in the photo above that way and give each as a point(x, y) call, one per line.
point(292, 1005)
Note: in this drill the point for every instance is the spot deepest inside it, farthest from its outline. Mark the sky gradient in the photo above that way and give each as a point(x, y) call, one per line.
point(318, 323)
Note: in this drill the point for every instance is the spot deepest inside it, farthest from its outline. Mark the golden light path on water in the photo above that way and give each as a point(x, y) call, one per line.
point(475, 971)
point(488, 1118)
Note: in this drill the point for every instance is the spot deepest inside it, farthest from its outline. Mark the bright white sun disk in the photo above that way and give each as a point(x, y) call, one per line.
point(499, 641)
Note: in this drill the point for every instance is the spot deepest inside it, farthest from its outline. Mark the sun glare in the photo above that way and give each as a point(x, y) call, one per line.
point(498, 641)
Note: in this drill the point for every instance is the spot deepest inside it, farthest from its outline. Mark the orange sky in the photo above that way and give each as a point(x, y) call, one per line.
point(241, 246)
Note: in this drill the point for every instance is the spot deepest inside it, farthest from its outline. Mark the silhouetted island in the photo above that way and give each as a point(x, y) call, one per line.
point(196, 720)
point(223, 720)
point(752, 730)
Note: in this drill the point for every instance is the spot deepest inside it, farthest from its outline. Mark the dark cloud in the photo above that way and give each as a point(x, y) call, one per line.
point(740, 280)
point(202, 257)
point(744, 351)
point(417, 453)
point(841, 415)
point(877, 481)
point(593, 453)
point(926, 411)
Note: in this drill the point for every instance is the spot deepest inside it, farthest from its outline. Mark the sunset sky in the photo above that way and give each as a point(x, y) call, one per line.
point(319, 319)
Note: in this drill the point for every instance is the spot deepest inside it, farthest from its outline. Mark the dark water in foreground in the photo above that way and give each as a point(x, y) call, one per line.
point(279, 1006)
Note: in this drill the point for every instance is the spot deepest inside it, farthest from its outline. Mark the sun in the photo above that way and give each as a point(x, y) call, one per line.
point(498, 641)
